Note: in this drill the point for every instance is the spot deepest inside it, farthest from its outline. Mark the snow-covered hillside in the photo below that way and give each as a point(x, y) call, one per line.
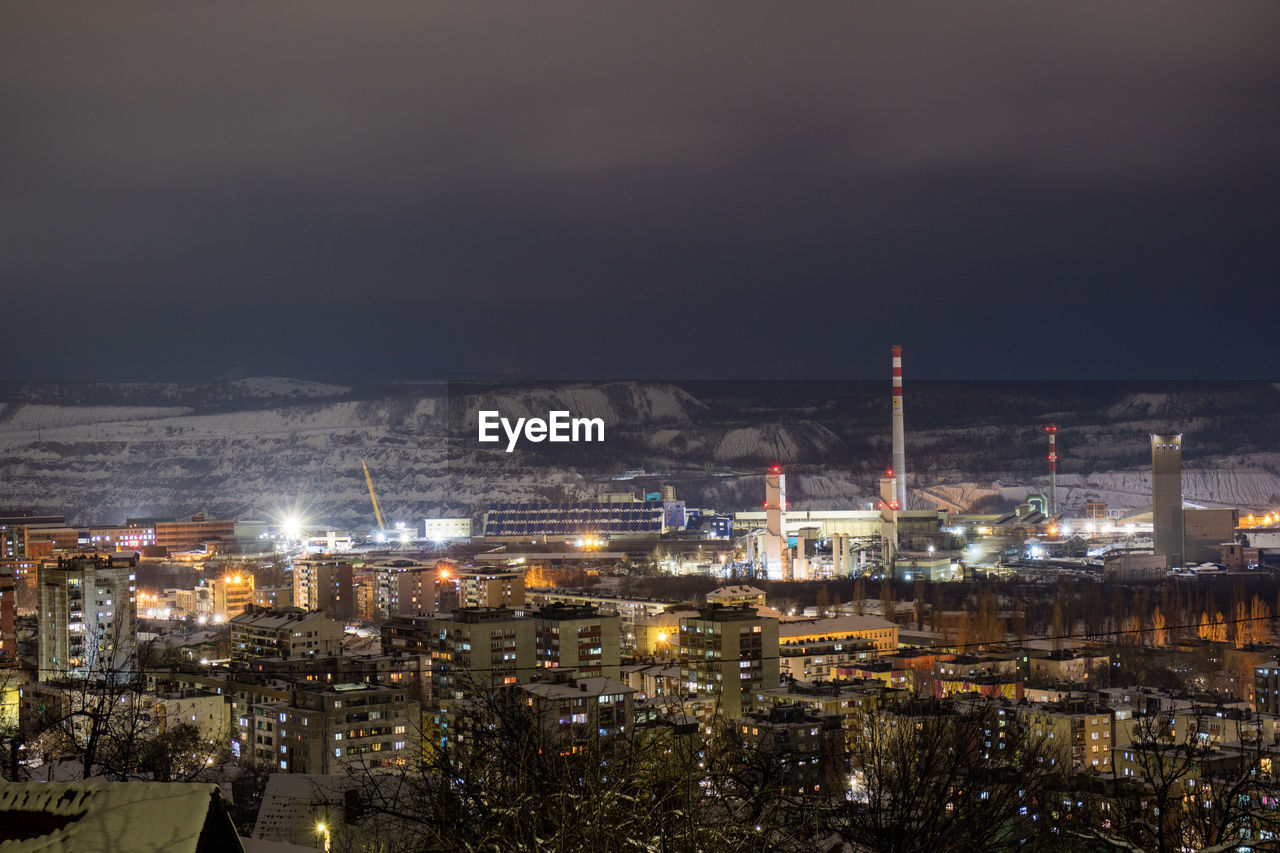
point(258, 447)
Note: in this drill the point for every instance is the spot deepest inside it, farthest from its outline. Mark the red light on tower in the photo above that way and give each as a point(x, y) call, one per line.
point(766, 504)
point(777, 469)
point(888, 472)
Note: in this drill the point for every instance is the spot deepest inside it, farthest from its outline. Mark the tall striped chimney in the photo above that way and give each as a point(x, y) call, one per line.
point(1052, 431)
point(899, 442)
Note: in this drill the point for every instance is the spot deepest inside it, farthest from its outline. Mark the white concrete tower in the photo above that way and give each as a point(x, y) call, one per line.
point(889, 507)
point(775, 506)
point(899, 439)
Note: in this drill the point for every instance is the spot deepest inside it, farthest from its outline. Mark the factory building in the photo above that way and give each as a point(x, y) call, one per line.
point(195, 533)
point(854, 523)
point(576, 520)
point(1204, 531)
point(446, 529)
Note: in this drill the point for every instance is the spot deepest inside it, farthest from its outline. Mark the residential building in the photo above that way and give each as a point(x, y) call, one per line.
point(284, 634)
point(1075, 736)
point(659, 636)
point(728, 653)
point(819, 661)
point(880, 631)
point(491, 586)
point(88, 616)
point(807, 744)
point(732, 595)
point(478, 648)
point(330, 728)
point(391, 588)
point(142, 817)
point(579, 638)
point(325, 584)
point(232, 594)
point(575, 711)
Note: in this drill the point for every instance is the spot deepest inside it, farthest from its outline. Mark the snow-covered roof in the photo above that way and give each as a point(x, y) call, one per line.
point(143, 817)
point(590, 686)
point(273, 618)
point(833, 626)
point(735, 590)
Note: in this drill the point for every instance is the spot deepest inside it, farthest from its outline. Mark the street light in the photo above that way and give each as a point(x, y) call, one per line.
point(323, 829)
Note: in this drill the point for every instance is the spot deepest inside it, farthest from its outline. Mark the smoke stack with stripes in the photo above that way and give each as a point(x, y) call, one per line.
point(899, 449)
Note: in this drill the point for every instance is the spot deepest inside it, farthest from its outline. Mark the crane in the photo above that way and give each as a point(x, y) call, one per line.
point(377, 511)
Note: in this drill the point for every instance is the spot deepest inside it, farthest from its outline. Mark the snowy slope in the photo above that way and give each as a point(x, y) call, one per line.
point(254, 447)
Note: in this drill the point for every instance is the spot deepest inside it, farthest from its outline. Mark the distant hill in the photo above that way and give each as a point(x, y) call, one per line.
point(256, 447)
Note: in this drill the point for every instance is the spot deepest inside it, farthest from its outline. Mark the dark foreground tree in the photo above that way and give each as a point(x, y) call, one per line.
point(1194, 784)
point(935, 776)
point(500, 776)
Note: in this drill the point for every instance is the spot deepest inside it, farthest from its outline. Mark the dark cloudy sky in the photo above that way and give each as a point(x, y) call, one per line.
point(426, 189)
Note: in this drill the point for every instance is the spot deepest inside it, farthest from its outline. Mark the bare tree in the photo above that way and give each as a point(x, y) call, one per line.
point(1188, 790)
point(498, 777)
point(936, 776)
point(108, 722)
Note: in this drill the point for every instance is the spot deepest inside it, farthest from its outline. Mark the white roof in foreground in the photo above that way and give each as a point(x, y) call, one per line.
point(143, 817)
point(293, 801)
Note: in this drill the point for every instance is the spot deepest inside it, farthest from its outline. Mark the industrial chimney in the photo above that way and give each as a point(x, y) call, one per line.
point(899, 448)
point(775, 508)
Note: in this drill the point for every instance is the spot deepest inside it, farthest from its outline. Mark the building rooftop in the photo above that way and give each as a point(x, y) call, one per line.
point(735, 590)
point(831, 626)
point(272, 618)
point(145, 817)
point(578, 687)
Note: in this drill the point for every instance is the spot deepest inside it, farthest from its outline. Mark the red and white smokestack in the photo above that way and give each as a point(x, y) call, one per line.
point(899, 440)
point(1052, 431)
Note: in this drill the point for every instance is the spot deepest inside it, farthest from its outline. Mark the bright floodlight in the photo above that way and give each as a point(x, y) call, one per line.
point(291, 527)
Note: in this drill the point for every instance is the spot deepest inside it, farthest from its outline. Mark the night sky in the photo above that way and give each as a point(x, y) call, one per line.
point(707, 190)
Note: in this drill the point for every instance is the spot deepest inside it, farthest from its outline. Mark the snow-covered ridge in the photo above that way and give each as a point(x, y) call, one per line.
point(101, 453)
point(279, 386)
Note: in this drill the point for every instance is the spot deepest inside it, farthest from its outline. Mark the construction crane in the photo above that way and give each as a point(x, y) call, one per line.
point(377, 511)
